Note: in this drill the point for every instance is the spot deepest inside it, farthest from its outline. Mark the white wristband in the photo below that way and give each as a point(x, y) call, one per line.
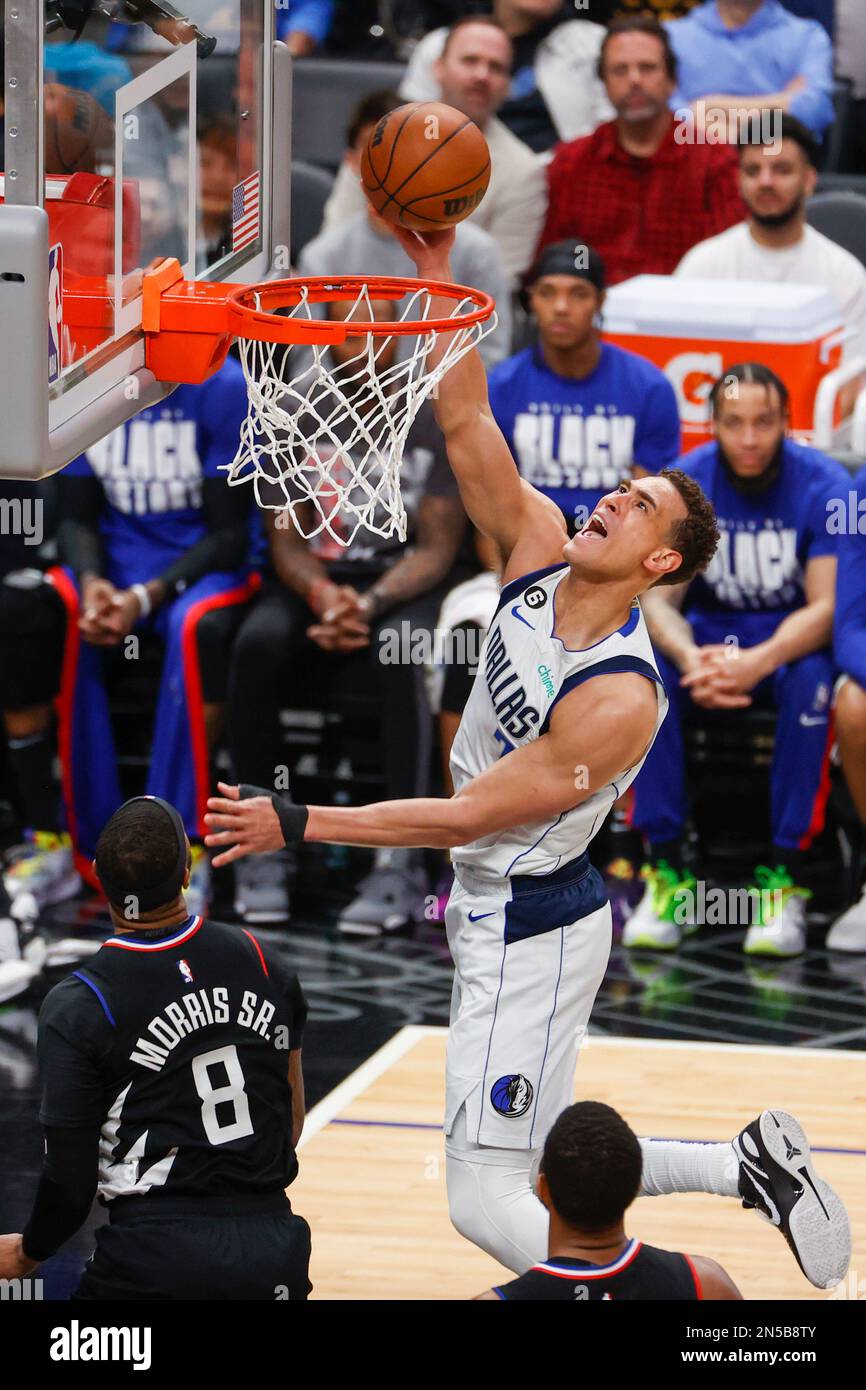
point(143, 597)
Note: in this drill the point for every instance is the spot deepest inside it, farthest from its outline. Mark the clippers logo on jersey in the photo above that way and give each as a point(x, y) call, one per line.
point(510, 704)
point(511, 1095)
point(535, 597)
point(756, 565)
point(151, 464)
point(185, 971)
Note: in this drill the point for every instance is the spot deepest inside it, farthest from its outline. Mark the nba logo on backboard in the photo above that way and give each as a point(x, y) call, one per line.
point(55, 312)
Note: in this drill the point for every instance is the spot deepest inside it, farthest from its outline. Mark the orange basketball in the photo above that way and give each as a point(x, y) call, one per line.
point(426, 166)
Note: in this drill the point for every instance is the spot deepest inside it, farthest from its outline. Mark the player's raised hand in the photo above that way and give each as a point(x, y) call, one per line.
point(251, 820)
point(429, 251)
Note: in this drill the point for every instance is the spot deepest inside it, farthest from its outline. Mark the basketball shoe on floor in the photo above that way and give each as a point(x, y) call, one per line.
point(198, 890)
point(848, 932)
point(780, 929)
point(777, 1179)
point(44, 868)
point(386, 900)
point(665, 913)
point(16, 972)
point(262, 887)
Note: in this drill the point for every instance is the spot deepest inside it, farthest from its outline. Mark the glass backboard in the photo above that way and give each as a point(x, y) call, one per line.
point(139, 140)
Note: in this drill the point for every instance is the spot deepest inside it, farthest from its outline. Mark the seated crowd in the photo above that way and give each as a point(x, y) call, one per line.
point(593, 183)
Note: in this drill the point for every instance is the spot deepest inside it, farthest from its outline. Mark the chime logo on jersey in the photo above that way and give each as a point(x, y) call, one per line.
point(535, 596)
point(185, 971)
point(511, 1095)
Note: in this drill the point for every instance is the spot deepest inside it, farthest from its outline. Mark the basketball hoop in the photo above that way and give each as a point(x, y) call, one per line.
point(329, 433)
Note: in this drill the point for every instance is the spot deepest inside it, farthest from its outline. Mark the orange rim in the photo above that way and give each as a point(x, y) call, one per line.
point(251, 309)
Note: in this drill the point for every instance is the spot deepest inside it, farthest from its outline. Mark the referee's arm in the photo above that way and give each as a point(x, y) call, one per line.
point(72, 1035)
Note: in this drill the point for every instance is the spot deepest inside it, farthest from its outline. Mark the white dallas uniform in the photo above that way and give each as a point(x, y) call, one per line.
point(528, 919)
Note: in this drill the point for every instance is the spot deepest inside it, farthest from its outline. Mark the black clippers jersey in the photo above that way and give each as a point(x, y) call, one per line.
point(177, 1046)
point(641, 1272)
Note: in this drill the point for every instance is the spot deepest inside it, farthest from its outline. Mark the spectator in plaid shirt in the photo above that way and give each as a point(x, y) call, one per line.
point(634, 189)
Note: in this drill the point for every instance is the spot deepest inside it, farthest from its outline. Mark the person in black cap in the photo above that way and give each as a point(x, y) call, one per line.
point(172, 1086)
point(580, 415)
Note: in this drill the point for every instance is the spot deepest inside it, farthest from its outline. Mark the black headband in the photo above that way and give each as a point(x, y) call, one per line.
point(568, 258)
point(167, 889)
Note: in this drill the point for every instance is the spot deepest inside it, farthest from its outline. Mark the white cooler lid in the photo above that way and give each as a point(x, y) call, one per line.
point(667, 306)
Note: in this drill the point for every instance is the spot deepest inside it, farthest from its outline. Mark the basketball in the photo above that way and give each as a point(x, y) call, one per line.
point(77, 130)
point(426, 166)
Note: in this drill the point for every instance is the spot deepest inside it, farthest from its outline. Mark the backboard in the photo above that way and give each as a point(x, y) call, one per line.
point(152, 134)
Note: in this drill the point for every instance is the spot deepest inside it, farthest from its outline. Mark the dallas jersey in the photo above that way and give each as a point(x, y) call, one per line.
point(524, 671)
point(177, 1046)
point(641, 1272)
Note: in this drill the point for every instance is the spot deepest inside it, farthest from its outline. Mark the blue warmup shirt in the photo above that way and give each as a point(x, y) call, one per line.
point(757, 59)
point(849, 633)
point(768, 539)
point(152, 469)
point(575, 440)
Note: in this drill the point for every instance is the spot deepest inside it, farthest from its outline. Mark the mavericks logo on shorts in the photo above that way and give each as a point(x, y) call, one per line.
point(511, 1095)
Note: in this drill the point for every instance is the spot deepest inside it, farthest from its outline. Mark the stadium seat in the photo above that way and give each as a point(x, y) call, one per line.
point(836, 140)
point(311, 189)
point(842, 217)
point(325, 93)
point(841, 183)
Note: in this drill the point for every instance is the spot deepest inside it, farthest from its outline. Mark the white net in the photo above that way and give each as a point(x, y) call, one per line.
point(326, 442)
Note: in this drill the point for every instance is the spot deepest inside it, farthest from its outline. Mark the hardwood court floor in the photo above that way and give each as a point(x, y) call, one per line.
point(372, 1181)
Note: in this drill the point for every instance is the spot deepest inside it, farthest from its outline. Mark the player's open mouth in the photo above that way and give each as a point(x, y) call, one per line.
point(595, 527)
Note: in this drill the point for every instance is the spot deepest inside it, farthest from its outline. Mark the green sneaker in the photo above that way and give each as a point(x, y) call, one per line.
point(665, 913)
point(779, 928)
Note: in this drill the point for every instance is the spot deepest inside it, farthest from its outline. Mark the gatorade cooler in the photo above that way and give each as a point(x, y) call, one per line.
point(695, 329)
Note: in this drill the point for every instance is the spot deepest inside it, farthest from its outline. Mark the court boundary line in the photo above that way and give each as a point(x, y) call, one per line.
point(403, 1041)
point(363, 1076)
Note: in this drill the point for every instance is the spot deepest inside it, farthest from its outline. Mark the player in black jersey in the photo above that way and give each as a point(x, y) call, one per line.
point(590, 1174)
point(172, 1084)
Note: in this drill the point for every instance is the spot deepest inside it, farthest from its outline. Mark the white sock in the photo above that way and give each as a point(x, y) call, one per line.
point(671, 1165)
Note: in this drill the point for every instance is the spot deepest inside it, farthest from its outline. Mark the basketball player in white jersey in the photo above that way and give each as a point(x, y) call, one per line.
point(564, 710)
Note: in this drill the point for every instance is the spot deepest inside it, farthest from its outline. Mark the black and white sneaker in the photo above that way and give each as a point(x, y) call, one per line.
point(777, 1179)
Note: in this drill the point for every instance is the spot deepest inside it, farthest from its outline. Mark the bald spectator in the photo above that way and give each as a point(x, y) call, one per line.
point(632, 190)
point(472, 76)
point(555, 93)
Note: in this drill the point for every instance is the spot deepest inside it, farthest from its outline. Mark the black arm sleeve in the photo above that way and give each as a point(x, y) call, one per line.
point(80, 502)
point(225, 546)
point(66, 1189)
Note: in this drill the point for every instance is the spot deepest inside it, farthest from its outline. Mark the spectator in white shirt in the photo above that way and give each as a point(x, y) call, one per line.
point(776, 243)
point(473, 76)
point(555, 93)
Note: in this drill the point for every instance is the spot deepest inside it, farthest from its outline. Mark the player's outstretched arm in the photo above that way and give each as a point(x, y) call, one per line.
point(497, 501)
point(597, 731)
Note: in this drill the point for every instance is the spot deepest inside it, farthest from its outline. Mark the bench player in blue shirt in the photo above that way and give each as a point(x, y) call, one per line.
point(754, 628)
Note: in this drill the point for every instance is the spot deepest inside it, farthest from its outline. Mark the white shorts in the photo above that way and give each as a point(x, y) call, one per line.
point(529, 955)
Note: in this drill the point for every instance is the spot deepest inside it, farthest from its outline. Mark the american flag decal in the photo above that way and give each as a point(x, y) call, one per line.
point(245, 211)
